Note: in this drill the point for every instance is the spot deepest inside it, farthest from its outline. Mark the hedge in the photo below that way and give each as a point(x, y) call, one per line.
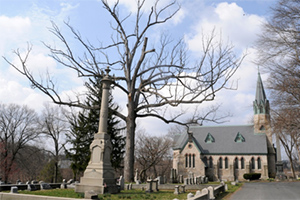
point(252, 176)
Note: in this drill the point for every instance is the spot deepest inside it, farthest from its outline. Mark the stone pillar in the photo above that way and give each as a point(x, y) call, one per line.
point(176, 189)
point(279, 164)
point(99, 175)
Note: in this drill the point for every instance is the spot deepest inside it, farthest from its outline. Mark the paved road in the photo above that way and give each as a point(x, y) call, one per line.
point(268, 190)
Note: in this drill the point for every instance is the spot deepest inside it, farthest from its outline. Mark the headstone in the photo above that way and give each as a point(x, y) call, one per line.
point(127, 187)
point(31, 187)
point(160, 180)
point(28, 182)
point(155, 188)
point(180, 179)
point(90, 195)
point(186, 181)
point(204, 191)
point(225, 187)
point(45, 186)
point(121, 182)
point(183, 188)
point(165, 179)
point(63, 185)
point(136, 175)
point(149, 186)
point(206, 180)
point(70, 181)
point(14, 189)
point(211, 192)
point(176, 189)
point(34, 182)
point(190, 195)
point(130, 186)
point(198, 193)
point(233, 183)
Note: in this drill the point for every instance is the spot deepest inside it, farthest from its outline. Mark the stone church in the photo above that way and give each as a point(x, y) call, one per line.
point(228, 152)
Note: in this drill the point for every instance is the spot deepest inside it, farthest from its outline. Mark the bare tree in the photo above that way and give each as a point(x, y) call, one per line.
point(279, 51)
point(18, 127)
point(153, 155)
point(154, 79)
point(286, 124)
point(54, 126)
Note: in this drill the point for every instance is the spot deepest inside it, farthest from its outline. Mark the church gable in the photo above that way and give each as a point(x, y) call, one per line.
point(209, 138)
point(239, 138)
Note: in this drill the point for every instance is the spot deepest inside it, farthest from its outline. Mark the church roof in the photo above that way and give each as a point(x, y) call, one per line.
point(230, 140)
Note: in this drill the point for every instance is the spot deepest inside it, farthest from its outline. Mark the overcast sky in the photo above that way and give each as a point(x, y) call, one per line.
point(28, 21)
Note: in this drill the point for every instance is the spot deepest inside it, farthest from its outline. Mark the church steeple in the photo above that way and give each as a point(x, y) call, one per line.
point(261, 103)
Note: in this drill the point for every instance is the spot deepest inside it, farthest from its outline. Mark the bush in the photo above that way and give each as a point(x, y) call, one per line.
point(252, 176)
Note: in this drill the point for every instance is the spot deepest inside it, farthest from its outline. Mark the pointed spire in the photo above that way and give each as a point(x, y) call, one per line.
point(260, 92)
point(261, 103)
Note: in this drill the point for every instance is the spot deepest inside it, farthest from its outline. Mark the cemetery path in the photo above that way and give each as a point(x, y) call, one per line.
point(268, 190)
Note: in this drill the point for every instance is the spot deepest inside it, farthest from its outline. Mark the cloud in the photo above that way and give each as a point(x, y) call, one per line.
point(17, 32)
point(230, 21)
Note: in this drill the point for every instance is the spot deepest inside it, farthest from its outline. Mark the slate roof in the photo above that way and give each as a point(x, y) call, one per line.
point(224, 140)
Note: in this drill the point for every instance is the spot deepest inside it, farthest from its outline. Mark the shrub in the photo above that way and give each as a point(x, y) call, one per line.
point(252, 176)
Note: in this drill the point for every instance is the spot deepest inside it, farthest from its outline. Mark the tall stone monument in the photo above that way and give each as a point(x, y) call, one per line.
point(279, 164)
point(99, 176)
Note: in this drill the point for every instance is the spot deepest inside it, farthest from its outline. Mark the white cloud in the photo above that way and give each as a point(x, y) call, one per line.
point(231, 22)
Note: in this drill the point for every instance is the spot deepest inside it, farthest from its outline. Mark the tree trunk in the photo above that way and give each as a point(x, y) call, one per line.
point(129, 148)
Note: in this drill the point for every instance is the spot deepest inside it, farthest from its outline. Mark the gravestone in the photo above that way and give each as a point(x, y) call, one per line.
point(14, 189)
point(136, 175)
point(45, 186)
point(149, 186)
point(155, 188)
point(198, 193)
point(211, 192)
point(190, 195)
point(176, 189)
point(99, 175)
point(31, 187)
point(63, 185)
point(121, 182)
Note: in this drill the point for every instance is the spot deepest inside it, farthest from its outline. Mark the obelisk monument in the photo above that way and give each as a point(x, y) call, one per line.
point(279, 164)
point(99, 175)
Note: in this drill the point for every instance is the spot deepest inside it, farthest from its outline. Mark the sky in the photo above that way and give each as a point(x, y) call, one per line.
point(27, 22)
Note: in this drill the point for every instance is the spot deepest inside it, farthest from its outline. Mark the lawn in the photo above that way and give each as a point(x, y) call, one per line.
point(128, 194)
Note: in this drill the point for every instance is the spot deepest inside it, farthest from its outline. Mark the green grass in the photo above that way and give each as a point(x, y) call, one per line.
point(231, 190)
point(55, 193)
point(127, 194)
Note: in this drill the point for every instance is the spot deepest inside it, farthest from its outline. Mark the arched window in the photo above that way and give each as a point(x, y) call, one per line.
point(226, 163)
point(193, 160)
point(258, 163)
point(220, 162)
point(236, 163)
point(252, 163)
point(210, 162)
point(190, 160)
point(205, 161)
point(186, 160)
point(242, 163)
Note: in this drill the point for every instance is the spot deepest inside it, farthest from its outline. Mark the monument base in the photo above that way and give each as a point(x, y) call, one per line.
point(279, 171)
point(112, 189)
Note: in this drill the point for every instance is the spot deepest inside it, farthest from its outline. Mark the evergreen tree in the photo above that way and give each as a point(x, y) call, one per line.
point(85, 125)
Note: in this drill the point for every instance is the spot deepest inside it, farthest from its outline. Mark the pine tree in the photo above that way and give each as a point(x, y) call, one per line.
point(85, 125)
